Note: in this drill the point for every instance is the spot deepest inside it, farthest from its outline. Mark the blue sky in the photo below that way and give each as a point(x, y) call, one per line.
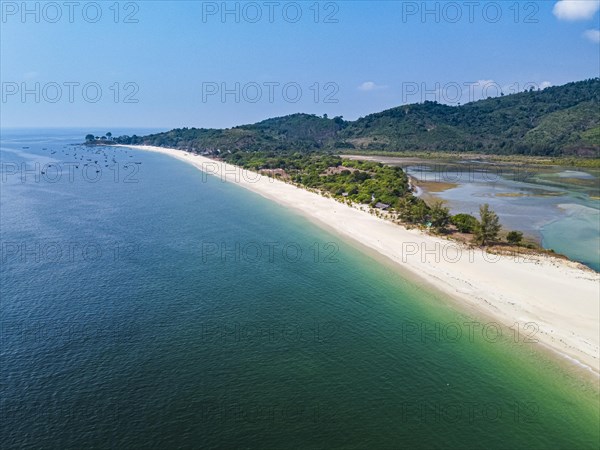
point(213, 64)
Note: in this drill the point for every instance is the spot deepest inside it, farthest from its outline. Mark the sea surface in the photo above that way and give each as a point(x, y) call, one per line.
point(145, 304)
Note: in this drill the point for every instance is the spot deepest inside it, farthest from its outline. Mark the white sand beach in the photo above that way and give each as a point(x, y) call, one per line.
point(561, 297)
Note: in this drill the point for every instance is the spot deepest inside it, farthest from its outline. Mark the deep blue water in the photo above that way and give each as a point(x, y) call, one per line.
point(145, 304)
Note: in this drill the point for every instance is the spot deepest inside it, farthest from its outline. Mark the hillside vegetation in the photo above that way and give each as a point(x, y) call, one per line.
point(557, 121)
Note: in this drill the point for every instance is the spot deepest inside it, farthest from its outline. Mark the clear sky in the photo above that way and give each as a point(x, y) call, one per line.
point(212, 64)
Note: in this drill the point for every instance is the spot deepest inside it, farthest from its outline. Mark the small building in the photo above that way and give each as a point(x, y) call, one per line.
point(380, 205)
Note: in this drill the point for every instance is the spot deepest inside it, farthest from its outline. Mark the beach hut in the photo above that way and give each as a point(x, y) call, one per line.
point(382, 206)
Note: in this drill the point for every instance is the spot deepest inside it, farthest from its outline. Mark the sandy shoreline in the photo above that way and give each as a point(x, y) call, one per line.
point(561, 298)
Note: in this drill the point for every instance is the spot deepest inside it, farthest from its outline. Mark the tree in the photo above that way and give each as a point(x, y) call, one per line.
point(489, 226)
point(412, 209)
point(109, 135)
point(514, 237)
point(465, 223)
point(89, 137)
point(418, 211)
point(439, 216)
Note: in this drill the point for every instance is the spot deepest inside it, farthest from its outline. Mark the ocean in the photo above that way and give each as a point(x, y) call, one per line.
point(145, 304)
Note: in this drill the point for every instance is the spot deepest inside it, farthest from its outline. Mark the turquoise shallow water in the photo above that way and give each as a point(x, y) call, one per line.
point(559, 206)
point(161, 307)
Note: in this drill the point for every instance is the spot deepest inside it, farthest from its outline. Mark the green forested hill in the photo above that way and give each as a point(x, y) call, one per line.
point(557, 121)
point(303, 132)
